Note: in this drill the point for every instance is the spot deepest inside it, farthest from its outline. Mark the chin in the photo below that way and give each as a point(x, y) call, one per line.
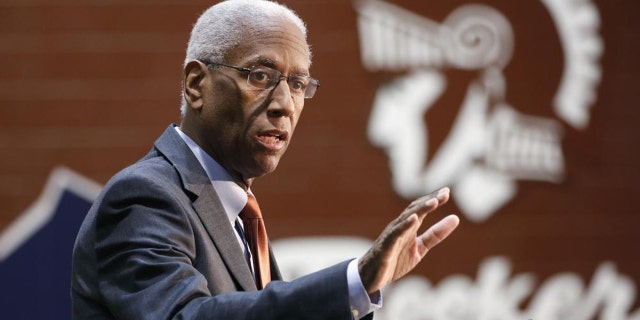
point(270, 168)
point(265, 166)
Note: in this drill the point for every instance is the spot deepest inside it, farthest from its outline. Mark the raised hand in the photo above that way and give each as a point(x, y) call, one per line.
point(399, 248)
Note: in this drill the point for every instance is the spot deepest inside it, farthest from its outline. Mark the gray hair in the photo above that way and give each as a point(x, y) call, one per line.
point(219, 29)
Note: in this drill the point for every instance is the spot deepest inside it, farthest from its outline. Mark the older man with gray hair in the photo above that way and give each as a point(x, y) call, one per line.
point(179, 234)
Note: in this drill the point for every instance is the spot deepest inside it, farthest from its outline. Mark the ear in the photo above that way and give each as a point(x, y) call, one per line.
point(193, 76)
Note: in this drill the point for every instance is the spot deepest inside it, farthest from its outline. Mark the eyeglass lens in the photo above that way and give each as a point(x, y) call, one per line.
point(266, 78)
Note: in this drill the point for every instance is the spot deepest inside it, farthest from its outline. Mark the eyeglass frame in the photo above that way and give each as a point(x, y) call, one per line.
point(310, 89)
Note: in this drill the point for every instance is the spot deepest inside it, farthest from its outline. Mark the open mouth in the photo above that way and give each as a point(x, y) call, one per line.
point(273, 140)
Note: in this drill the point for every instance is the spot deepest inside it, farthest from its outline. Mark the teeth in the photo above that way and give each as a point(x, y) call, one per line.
point(274, 137)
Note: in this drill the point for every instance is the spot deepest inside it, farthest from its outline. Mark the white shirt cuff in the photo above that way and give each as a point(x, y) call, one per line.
point(360, 301)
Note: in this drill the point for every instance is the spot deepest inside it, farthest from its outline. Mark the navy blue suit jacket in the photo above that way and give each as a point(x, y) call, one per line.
point(157, 244)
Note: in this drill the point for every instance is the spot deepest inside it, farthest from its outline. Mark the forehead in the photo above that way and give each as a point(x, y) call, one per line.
point(278, 44)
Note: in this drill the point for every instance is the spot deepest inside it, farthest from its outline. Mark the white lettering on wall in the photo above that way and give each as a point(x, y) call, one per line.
point(494, 294)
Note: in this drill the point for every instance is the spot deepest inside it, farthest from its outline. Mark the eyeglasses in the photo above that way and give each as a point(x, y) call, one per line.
point(265, 78)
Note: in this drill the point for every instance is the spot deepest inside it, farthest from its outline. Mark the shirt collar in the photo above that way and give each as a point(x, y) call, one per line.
point(232, 196)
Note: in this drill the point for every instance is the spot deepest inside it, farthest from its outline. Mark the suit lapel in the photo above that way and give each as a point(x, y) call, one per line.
point(275, 270)
point(207, 205)
point(214, 218)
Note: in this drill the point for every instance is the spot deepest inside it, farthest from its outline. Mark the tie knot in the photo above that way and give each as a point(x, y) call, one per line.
point(251, 209)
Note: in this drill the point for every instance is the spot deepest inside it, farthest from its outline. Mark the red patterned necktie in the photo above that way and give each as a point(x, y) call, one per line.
point(256, 235)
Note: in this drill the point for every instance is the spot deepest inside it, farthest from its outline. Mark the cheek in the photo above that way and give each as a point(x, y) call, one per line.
point(296, 116)
point(228, 114)
point(227, 99)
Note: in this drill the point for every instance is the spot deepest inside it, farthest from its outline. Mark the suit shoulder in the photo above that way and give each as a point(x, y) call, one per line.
point(148, 168)
point(151, 175)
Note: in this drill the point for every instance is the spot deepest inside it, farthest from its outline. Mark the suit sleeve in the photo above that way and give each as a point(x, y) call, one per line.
point(145, 249)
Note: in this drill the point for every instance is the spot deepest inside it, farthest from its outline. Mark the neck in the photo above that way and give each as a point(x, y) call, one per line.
point(242, 182)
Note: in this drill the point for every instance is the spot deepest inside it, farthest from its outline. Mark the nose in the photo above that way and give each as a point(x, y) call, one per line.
point(282, 103)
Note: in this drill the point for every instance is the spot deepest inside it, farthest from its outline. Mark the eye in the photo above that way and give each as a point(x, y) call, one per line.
point(261, 77)
point(298, 84)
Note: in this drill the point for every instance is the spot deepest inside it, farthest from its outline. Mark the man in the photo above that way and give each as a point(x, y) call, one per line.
point(165, 239)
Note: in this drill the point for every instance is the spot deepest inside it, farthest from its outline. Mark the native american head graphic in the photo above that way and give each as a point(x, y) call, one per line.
point(491, 144)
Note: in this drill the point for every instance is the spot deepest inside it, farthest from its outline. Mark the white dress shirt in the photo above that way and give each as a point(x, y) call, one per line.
point(234, 198)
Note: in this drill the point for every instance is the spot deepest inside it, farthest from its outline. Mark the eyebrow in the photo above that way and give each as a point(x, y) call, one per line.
point(273, 65)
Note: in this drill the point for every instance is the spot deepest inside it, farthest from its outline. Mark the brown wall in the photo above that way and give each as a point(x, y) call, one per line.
point(91, 84)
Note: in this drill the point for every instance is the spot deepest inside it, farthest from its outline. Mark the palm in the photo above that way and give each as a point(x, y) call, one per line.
point(399, 248)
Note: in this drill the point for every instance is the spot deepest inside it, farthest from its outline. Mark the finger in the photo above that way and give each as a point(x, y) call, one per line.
point(422, 206)
point(430, 205)
point(407, 226)
point(441, 194)
point(438, 232)
point(437, 199)
point(426, 204)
